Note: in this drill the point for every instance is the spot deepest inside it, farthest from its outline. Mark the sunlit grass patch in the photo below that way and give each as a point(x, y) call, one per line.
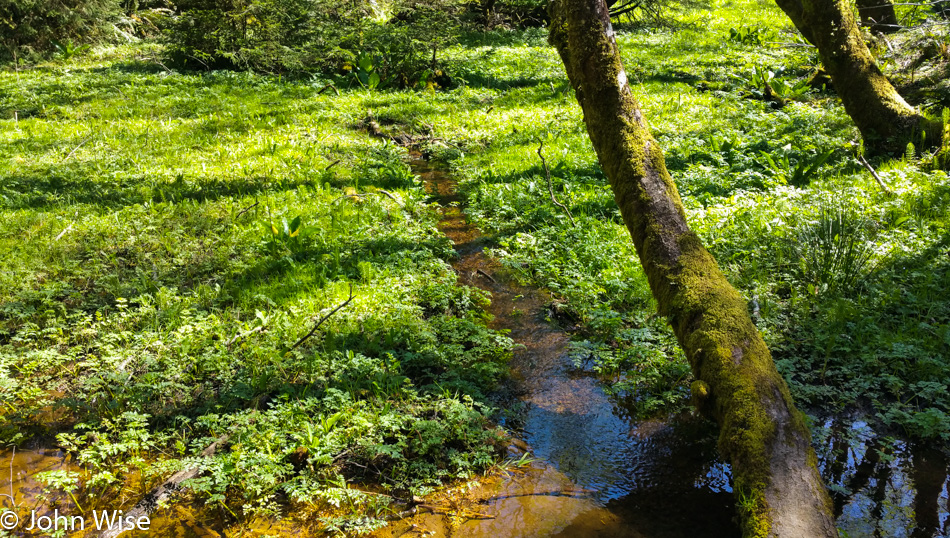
point(169, 237)
point(747, 169)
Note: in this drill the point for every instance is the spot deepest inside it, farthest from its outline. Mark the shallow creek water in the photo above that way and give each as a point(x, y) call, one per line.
point(596, 473)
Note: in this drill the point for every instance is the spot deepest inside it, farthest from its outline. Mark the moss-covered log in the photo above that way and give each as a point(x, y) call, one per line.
point(885, 120)
point(777, 485)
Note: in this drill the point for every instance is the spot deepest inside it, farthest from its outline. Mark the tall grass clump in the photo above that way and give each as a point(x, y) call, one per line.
point(834, 250)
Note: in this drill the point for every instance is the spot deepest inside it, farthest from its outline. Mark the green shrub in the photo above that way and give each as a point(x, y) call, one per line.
point(407, 46)
point(266, 35)
point(371, 44)
point(30, 28)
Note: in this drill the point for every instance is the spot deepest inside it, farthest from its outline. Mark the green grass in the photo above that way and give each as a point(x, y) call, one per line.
point(155, 277)
point(150, 292)
point(857, 315)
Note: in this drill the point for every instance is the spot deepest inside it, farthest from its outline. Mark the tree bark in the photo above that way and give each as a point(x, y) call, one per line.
point(796, 13)
point(886, 121)
point(878, 15)
point(776, 482)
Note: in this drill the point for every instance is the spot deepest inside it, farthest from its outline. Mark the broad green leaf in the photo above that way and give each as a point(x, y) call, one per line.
point(366, 63)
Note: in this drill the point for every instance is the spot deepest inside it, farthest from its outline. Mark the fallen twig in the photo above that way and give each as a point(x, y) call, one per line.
point(64, 232)
point(786, 44)
point(245, 334)
point(484, 274)
point(246, 209)
point(401, 515)
point(81, 144)
point(324, 318)
point(877, 178)
point(331, 165)
point(329, 87)
point(468, 514)
point(888, 43)
point(154, 58)
point(555, 493)
point(390, 195)
point(547, 174)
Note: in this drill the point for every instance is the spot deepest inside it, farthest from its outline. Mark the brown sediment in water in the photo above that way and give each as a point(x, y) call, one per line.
point(598, 475)
point(20, 490)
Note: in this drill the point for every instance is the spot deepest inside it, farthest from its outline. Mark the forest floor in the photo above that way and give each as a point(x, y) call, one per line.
point(169, 240)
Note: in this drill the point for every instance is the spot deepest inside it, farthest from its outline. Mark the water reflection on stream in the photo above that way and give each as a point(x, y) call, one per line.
point(884, 489)
point(597, 474)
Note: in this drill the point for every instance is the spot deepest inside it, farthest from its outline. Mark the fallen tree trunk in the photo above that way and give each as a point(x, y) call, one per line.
point(776, 482)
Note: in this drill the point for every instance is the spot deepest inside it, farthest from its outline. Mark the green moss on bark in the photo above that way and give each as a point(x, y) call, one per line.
point(885, 120)
point(736, 379)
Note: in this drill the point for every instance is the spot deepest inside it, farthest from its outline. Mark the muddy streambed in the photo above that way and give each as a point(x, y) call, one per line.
point(595, 473)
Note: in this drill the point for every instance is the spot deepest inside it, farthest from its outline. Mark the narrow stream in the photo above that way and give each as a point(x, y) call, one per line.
point(596, 474)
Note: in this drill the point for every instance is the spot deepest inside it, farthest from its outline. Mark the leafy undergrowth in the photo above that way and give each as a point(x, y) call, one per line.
point(168, 238)
point(917, 59)
point(848, 284)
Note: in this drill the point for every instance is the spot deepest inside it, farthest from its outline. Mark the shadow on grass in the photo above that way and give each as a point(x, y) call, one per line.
point(227, 376)
point(45, 190)
point(179, 95)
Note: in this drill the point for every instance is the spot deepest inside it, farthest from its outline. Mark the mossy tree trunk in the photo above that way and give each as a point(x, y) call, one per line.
point(878, 15)
point(885, 120)
point(777, 485)
point(796, 12)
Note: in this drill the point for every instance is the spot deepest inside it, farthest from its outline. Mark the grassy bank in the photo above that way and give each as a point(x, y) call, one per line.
point(847, 280)
point(168, 238)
